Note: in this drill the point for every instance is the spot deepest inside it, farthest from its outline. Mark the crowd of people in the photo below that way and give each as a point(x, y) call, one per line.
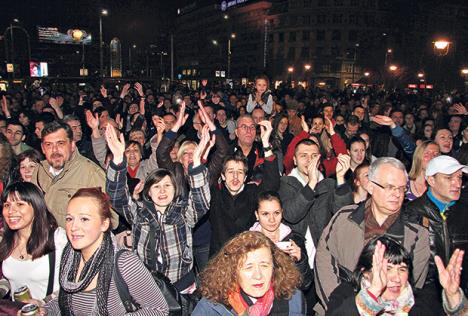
point(242, 200)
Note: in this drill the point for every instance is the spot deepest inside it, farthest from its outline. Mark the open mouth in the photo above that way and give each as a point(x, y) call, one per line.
point(14, 220)
point(258, 286)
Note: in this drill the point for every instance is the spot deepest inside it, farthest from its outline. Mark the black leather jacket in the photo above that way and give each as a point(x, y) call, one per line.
point(445, 236)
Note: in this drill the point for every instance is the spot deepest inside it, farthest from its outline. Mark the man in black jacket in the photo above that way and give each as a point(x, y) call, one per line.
point(443, 210)
point(233, 202)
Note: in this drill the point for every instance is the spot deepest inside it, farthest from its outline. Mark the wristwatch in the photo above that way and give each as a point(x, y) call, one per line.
point(268, 148)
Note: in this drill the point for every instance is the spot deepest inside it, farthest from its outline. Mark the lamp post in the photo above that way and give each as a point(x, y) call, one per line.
point(229, 53)
point(290, 71)
point(356, 46)
point(441, 49)
point(103, 12)
point(464, 72)
point(307, 68)
point(10, 29)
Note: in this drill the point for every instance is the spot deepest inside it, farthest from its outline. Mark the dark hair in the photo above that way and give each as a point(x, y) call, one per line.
point(263, 77)
point(268, 196)
point(355, 139)
point(236, 158)
point(45, 118)
point(307, 142)
point(101, 197)
point(134, 142)
point(358, 169)
point(41, 240)
point(155, 177)
point(353, 120)
point(54, 126)
point(15, 122)
point(99, 110)
point(394, 252)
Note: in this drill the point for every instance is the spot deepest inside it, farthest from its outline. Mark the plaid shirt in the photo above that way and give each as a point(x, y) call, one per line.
point(162, 241)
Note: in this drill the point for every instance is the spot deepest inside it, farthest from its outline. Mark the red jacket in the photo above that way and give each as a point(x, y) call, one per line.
point(329, 163)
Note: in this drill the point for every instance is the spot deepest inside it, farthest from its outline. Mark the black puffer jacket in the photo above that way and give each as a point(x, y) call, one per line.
point(445, 236)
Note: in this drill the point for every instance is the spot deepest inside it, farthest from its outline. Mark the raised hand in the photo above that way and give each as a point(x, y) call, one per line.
point(203, 95)
point(115, 144)
point(304, 125)
point(92, 120)
point(5, 109)
point(53, 102)
point(205, 139)
point(329, 126)
point(313, 172)
point(383, 120)
point(139, 89)
point(265, 132)
point(103, 91)
point(294, 251)
point(460, 109)
point(181, 118)
point(160, 104)
point(119, 120)
point(204, 117)
point(343, 165)
point(449, 277)
point(124, 91)
point(137, 190)
point(379, 270)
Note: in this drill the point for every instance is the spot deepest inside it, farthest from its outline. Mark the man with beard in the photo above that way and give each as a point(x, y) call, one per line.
point(64, 170)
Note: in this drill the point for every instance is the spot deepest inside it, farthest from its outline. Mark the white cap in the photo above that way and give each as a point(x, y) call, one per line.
point(444, 164)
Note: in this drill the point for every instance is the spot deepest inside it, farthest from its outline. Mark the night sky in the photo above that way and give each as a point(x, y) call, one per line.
point(136, 21)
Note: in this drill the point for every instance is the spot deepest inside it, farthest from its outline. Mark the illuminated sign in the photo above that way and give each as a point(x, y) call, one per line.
point(228, 4)
point(38, 69)
point(55, 36)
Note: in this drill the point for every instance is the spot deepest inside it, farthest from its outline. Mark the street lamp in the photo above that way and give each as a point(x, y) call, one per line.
point(366, 74)
point(307, 67)
point(233, 36)
point(464, 72)
point(393, 68)
point(387, 53)
point(441, 47)
point(290, 69)
point(103, 12)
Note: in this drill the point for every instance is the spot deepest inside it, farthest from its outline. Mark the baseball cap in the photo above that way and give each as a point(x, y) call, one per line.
point(444, 164)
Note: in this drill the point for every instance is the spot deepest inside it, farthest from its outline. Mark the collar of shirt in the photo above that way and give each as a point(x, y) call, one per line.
point(440, 205)
point(54, 172)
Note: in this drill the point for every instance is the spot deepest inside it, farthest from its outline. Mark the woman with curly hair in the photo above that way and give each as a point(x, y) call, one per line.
point(250, 276)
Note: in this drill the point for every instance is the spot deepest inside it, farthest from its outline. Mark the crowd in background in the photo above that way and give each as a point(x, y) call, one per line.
point(247, 200)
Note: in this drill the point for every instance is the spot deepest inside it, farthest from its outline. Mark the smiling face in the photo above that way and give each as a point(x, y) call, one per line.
point(255, 272)
point(26, 169)
point(397, 280)
point(133, 155)
point(357, 153)
point(84, 225)
point(162, 193)
point(303, 157)
point(317, 125)
point(17, 213)
point(261, 85)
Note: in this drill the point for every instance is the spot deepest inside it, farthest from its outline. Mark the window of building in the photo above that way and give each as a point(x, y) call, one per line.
point(353, 35)
point(322, 3)
point(307, 3)
point(354, 3)
point(326, 68)
point(335, 51)
point(306, 19)
point(336, 35)
point(281, 37)
point(339, 3)
point(292, 36)
point(305, 52)
point(320, 35)
point(292, 53)
point(270, 38)
point(305, 35)
point(337, 18)
point(292, 20)
point(352, 19)
point(321, 18)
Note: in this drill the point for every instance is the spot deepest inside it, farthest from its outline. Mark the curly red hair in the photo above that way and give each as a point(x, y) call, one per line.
point(220, 277)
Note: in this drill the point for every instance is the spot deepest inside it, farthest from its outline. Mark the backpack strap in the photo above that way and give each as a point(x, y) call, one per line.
point(50, 284)
point(124, 294)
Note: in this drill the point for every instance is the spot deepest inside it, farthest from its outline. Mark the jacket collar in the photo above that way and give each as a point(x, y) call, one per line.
point(75, 156)
point(438, 203)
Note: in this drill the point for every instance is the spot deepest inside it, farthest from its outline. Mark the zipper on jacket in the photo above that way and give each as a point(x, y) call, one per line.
point(446, 241)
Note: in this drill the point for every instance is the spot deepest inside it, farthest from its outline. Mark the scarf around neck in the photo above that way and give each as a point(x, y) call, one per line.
point(102, 262)
point(284, 230)
point(260, 308)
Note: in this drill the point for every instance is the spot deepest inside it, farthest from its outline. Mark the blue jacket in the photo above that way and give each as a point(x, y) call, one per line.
point(297, 307)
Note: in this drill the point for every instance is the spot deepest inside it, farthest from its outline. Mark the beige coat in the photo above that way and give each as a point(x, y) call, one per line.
point(79, 172)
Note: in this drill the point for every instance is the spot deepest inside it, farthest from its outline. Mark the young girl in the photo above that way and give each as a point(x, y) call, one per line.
point(261, 97)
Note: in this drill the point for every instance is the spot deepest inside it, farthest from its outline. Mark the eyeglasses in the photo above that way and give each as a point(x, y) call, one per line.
point(391, 188)
point(247, 127)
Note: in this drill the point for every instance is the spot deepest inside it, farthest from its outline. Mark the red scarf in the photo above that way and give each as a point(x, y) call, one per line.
point(261, 307)
point(132, 172)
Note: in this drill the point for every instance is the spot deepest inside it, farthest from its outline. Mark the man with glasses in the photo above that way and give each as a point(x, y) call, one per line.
point(246, 145)
point(443, 210)
point(353, 226)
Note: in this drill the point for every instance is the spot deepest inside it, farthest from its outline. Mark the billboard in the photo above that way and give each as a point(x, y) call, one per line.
point(55, 36)
point(231, 3)
point(38, 69)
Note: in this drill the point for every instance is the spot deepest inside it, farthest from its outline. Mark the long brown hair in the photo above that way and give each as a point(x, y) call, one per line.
point(416, 167)
point(220, 277)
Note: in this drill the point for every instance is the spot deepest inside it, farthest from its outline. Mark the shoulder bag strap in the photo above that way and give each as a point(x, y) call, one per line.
point(124, 294)
point(50, 284)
